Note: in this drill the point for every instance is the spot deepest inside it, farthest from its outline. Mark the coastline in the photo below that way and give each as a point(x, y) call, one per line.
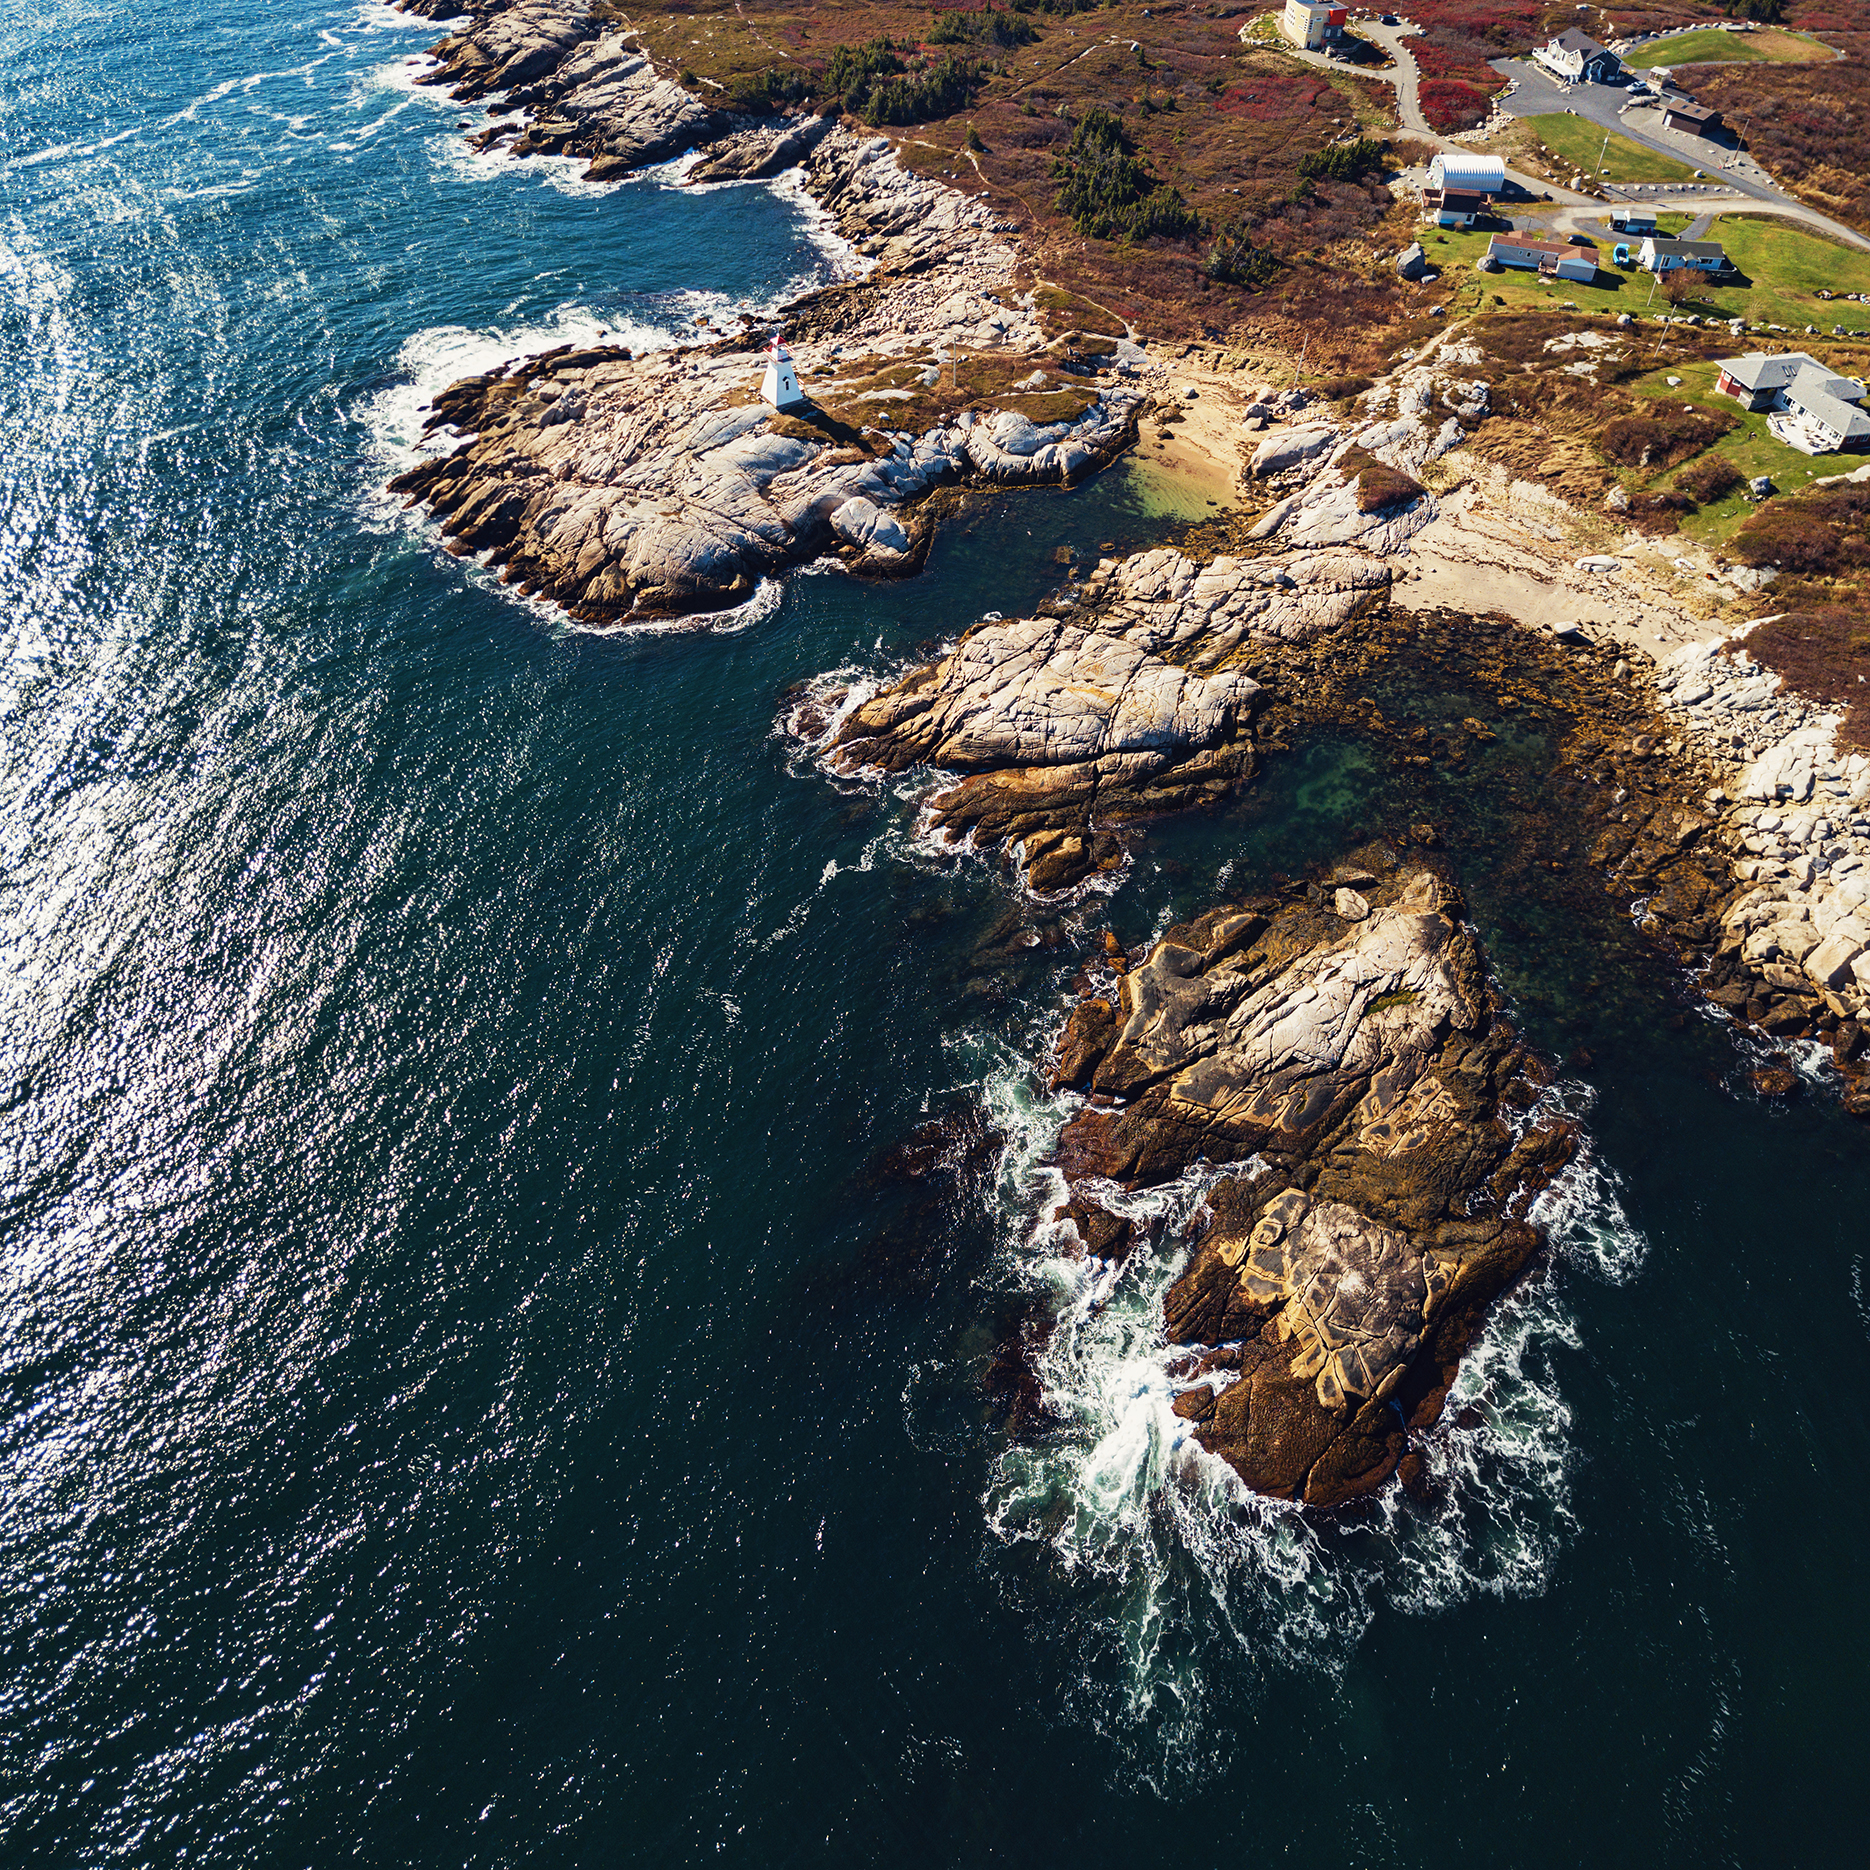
point(1326, 534)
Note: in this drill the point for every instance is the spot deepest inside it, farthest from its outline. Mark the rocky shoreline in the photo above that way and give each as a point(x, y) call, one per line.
point(1344, 1043)
point(629, 488)
point(1340, 1037)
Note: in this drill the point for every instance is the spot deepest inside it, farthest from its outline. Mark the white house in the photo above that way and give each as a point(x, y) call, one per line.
point(1311, 26)
point(1455, 207)
point(1660, 254)
point(1556, 258)
point(780, 385)
point(1576, 57)
point(1812, 408)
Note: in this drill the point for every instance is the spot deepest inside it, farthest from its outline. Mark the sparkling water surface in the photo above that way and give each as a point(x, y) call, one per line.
point(473, 1391)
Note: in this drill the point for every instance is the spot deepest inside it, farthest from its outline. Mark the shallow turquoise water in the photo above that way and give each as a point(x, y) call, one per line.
point(472, 1390)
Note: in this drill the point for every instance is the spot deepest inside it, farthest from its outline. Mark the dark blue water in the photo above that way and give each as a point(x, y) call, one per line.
point(476, 1385)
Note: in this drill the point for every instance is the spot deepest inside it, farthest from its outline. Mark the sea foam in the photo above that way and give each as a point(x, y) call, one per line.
point(1166, 1556)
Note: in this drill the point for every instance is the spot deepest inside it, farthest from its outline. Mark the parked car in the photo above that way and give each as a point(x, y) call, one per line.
point(1390, 19)
point(1582, 240)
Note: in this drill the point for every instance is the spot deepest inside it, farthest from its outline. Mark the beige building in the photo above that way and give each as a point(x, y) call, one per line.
point(1311, 26)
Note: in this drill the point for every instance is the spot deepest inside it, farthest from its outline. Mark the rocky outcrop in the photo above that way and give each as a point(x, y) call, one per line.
point(1360, 1060)
point(903, 221)
point(761, 151)
point(585, 90)
point(1123, 705)
point(625, 487)
point(629, 488)
point(1792, 947)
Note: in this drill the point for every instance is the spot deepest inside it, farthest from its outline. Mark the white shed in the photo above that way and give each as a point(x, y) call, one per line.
point(1462, 169)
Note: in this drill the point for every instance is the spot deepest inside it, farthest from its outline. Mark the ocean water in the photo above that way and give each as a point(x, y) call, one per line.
point(477, 1384)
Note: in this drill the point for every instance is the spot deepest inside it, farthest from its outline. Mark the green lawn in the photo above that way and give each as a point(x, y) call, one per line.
point(1455, 254)
point(1727, 48)
point(1578, 141)
point(1787, 266)
point(1751, 448)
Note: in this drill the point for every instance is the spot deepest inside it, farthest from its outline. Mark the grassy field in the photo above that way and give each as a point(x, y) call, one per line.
point(1785, 264)
point(1728, 48)
point(1455, 254)
point(1787, 267)
point(1751, 449)
point(1578, 141)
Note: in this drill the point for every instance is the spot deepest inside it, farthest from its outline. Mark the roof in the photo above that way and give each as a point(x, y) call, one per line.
point(1462, 166)
point(1695, 113)
point(1528, 243)
point(1818, 391)
point(1582, 43)
point(1700, 249)
point(1464, 199)
point(1813, 390)
point(1761, 370)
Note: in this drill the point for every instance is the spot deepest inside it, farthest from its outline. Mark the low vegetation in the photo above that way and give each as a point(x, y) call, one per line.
point(1823, 652)
point(1662, 435)
point(1379, 486)
point(1710, 479)
point(1223, 188)
point(1823, 533)
point(1109, 193)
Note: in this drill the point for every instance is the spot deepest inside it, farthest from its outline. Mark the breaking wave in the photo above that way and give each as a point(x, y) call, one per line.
point(1170, 1564)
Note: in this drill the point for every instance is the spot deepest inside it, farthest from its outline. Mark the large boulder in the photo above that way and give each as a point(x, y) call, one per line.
point(1290, 448)
point(1412, 262)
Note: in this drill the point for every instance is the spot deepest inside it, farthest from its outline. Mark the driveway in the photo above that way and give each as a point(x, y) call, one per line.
point(1610, 107)
point(1406, 79)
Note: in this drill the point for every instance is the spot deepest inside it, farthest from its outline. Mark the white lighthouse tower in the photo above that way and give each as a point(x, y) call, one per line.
point(780, 385)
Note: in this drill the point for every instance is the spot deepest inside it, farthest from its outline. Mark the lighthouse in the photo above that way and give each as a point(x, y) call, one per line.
point(780, 385)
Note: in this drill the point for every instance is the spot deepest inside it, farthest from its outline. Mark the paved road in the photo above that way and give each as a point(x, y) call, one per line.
point(1406, 79)
point(1738, 190)
point(1610, 107)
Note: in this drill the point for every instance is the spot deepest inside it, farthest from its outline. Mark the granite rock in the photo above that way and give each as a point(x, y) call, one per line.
point(1365, 1070)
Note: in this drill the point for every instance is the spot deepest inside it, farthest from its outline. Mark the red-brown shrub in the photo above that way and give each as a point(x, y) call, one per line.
point(1450, 105)
point(1825, 533)
point(1704, 482)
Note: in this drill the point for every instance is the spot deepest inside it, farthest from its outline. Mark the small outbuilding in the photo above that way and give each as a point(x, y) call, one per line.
point(1696, 119)
point(1457, 208)
point(1633, 220)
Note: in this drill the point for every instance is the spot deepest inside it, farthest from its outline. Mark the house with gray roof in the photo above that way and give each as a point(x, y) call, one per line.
point(1809, 407)
point(1576, 57)
point(1659, 254)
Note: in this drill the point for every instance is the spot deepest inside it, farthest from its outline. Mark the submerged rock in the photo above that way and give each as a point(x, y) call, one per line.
point(1366, 1066)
